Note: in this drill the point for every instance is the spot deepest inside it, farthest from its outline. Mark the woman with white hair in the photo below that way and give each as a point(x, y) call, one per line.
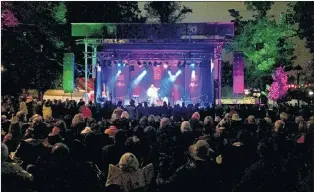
point(184, 140)
point(185, 127)
point(125, 115)
point(128, 176)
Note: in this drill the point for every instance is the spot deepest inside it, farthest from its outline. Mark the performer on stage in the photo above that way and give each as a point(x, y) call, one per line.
point(152, 93)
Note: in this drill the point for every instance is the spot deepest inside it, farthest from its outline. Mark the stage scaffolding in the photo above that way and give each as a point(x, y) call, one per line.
point(184, 41)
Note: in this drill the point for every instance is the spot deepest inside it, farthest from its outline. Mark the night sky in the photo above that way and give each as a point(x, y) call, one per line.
point(218, 12)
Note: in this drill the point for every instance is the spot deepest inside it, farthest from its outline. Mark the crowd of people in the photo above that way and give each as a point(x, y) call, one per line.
point(55, 146)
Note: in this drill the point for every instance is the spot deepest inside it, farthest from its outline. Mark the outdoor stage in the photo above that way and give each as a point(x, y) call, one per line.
point(177, 82)
point(183, 60)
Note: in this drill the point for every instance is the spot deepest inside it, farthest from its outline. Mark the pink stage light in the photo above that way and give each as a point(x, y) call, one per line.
point(165, 66)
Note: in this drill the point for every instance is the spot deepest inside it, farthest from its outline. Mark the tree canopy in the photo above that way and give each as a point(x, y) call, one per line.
point(266, 44)
point(36, 34)
point(166, 11)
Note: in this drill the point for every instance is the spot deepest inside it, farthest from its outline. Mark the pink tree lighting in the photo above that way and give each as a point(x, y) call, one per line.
point(8, 19)
point(279, 86)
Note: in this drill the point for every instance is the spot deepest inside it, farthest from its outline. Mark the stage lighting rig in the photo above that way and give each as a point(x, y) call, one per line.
point(139, 63)
point(155, 64)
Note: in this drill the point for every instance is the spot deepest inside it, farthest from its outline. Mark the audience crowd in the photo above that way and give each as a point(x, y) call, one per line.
point(55, 146)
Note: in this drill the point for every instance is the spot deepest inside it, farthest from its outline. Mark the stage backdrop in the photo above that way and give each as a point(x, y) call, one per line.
point(189, 84)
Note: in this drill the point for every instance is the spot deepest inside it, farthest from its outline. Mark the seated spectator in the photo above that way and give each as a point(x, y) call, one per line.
point(270, 173)
point(128, 176)
point(13, 177)
point(112, 153)
point(12, 139)
point(197, 174)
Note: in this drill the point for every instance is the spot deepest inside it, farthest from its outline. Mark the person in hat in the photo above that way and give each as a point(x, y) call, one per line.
point(236, 125)
point(197, 174)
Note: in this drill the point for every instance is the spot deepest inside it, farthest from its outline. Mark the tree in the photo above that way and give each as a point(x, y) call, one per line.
point(31, 50)
point(166, 11)
point(104, 12)
point(260, 7)
point(302, 14)
point(266, 43)
point(279, 86)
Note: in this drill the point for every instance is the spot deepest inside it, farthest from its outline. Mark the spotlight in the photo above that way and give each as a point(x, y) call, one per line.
point(139, 63)
point(155, 64)
point(118, 73)
point(193, 74)
point(178, 72)
point(311, 93)
point(119, 64)
point(150, 63)
point(165, 66)
point(192, 65)
point(139, 78)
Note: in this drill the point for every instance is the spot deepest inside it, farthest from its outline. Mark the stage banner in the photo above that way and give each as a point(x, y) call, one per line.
point(238, 73)
point(216, 65)
point(68, 72)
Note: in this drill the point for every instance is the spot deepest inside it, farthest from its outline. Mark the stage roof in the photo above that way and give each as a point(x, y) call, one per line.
point(128, 32)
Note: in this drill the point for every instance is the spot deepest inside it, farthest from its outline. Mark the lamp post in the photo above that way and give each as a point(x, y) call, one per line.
point(298, 68)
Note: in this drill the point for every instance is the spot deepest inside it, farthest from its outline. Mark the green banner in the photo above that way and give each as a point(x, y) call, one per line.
point(68, 72)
